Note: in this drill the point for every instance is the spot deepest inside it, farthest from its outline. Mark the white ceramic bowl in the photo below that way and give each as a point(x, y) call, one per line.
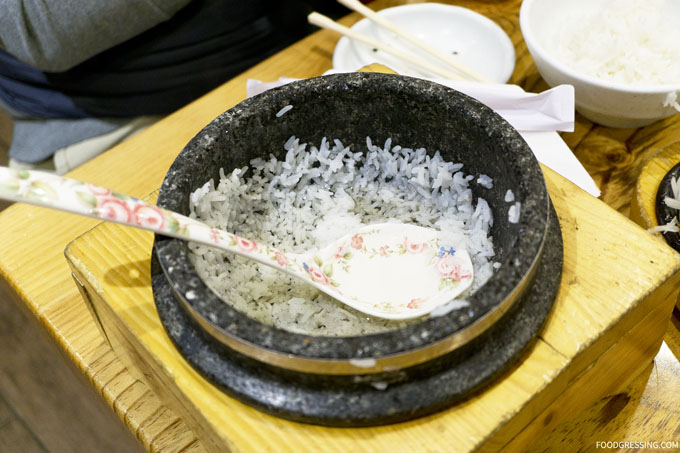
point(475, 40)
point(605, 102)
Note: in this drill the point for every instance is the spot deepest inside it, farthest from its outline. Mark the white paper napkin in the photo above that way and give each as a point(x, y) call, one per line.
point(536, 116)
point(552, 110)
point(551, 151)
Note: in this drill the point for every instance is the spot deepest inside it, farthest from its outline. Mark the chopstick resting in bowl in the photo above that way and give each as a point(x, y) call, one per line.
point(367, 12)
point(325, 22)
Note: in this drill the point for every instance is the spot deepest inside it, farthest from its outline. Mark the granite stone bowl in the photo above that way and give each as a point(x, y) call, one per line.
point(664, 213)
point(412, 112)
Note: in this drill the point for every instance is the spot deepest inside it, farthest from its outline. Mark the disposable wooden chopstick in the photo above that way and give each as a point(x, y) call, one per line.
point(380, 20)
point(325, 22)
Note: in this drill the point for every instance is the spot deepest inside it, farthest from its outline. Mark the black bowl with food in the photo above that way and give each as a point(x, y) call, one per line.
point(667, 206)
point(301, 164)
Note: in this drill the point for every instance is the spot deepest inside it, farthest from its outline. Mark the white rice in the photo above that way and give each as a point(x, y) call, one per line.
point(513, 212)
point(380, 385)
point(449, 307)
point(672, 100)
point(485, 181)
point(625, 41)
point(283, 111)
point(314, 196)
point(509, 196)
point(670, 227)
point(672, 202)
point(363, 363)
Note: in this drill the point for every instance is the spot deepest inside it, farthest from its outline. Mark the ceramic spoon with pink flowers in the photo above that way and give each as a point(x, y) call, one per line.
point(388, 270)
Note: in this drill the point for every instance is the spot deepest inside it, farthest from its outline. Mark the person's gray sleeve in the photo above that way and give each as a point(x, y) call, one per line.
point(55, 35)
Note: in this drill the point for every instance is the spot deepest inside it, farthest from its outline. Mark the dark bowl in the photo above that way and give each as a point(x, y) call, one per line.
point(412, 112)
point(664, 214)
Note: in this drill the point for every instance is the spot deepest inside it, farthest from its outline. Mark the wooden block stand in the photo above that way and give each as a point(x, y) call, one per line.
point(618, 288)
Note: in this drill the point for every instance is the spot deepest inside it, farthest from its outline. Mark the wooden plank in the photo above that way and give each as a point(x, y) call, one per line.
point(5, 140)
point(609, 374)
point(609, 420)
point(15, 435)
point(5, 412)
point(589, 252)
point(6, 128)
point(41, 388)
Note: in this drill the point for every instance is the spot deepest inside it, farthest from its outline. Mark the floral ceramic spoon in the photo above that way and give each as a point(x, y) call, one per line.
point(388, 270)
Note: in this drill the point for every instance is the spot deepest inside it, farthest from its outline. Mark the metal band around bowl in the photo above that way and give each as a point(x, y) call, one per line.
point(383, 364)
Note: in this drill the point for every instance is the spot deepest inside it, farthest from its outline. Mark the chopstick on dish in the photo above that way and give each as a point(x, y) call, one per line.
point(325, 22)
point(360, 8)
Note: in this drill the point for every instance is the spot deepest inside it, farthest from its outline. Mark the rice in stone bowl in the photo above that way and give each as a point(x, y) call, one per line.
point(315, 195)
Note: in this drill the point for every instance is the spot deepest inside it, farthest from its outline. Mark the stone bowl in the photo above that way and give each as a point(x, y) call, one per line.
point(350, 107)
point(664, 213)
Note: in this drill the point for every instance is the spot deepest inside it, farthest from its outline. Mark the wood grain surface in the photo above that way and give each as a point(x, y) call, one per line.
point(39, 386)
point(33, 240)
point(638, 413)
point(6, 130)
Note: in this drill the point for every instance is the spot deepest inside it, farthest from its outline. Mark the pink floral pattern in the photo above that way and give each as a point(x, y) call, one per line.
point(245, 245)
point(414, 247)
point(281, 259)
point(317, 275)
point(99, 191)
point(214, 235)
point(357, 242)
point(452, 266)
point(114, 209)
point(415, 303)
point(148, 216)
point(340, 253)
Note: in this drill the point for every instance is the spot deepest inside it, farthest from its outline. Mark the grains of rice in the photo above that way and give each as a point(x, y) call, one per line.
point(513, 212)
point(625, 41)
point(672, 100)
point(449, 307)
point(485, 181)
point(313, 196)
point(283, 111)
point(363, 363)
point(670, 227)
point(672, 202)
point(509, 196)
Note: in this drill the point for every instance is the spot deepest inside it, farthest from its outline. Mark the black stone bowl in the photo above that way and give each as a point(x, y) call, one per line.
point(665, 214)
point(414, 113)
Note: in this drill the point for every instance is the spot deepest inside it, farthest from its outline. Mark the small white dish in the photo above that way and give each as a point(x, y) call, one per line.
point(473, 39)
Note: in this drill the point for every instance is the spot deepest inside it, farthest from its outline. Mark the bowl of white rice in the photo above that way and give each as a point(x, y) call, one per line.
point(298, 166)
point(621, 56)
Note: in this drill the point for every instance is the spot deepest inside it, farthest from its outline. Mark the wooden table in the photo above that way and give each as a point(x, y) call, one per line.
point(33, 242)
